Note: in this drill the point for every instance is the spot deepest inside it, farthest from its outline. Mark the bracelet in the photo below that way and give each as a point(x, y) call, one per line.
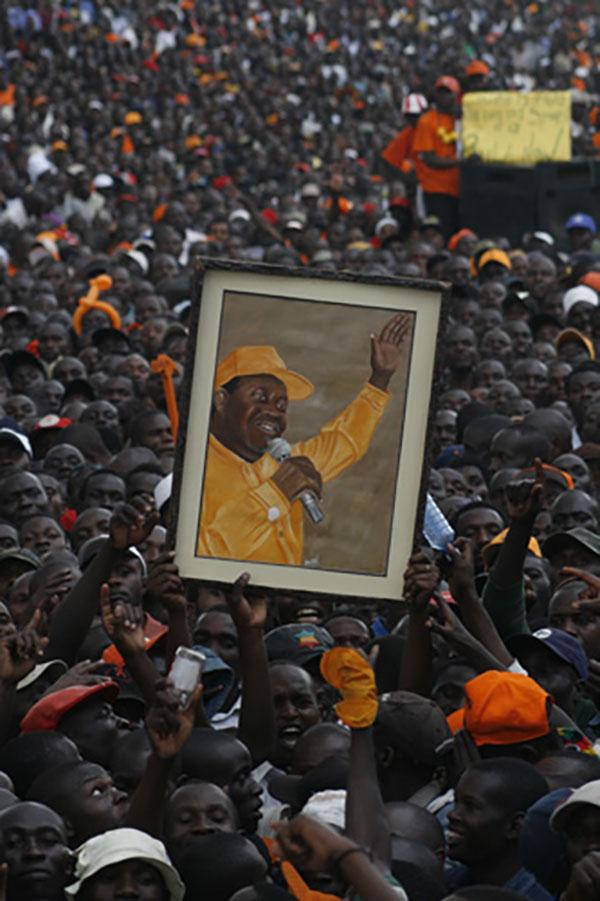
point(357, 849)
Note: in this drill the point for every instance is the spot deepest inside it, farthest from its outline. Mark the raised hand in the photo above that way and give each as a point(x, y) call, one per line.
point(86, 672)
point(19, 653)
point(56, 587)
point(164, 584)
point(584, 882)
point(445, 623)
point(523, 498)
point(386, 350)
point(420, 581)
point(131, 523)
point(123, 624)
point(42, 615)
point(589, 594)
point(167, 725)
point(309, 844)
point(461, 575)
point(246, 612)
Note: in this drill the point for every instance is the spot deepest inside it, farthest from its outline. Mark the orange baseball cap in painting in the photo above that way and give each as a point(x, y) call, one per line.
point(262, 360)
point(502, 708)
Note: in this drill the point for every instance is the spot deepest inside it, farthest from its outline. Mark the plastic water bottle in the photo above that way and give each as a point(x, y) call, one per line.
point(437, 530)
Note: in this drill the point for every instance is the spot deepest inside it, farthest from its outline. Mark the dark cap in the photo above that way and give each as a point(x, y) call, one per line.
point(563, 645)
point(20, 312)
point(583, 537)
point(22, 358)
point(79, 387)
point(101, 335)
point(431, 222)
point(23, 554)
point(414, 726)
point(299, 643)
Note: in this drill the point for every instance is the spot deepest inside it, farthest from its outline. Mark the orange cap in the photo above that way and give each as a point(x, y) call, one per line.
point(502, 708)
point(477, 67)
point(448, 82)
point(592, 280)
point(46, 714)
point(573, 334)
point(499, 539)
point(262, 360)
point(132, 118)
point(458, 236)
point(495, 255)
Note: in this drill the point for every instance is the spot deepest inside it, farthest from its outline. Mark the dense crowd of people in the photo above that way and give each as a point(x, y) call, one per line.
point(442, 747)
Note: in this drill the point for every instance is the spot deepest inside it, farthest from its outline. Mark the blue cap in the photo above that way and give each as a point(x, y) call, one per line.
point(216, 674)
point(448, 455)
point(561, 643)
point(581, 220)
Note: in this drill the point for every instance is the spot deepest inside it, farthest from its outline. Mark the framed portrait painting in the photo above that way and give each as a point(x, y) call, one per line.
point(303, 430)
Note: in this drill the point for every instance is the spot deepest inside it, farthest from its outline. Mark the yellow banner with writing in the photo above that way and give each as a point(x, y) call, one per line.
point(507, 127)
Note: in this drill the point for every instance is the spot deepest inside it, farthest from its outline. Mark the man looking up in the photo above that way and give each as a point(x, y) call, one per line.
point(250, 508)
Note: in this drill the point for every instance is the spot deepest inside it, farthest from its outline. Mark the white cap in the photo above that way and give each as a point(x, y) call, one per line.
point(588, 795)
point(577, 294)
point(103, 180)
point(162, 491)
point(140, 258)
point(310, 189)
point(119, 845)
point(38, 164)
point(75, 169)
point(414, 104)
point(18, 436)
point(383, 223)
point(240, 213)
point(546, 237)
point(328, 807)
point(59, 667)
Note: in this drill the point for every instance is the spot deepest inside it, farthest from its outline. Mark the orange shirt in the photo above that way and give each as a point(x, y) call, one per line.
point(400, 152)
point(7, 96)
point(435, 133)
point(244, 514)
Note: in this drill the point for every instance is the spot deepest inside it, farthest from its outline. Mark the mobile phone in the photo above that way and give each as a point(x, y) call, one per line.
point(185, 673)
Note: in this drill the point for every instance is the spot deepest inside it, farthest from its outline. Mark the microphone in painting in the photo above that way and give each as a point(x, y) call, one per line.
point(280, 450)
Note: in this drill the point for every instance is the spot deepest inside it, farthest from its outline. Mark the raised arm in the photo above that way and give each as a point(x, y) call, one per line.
point(19, 653)
point(503, 595)
point(168, 727)
point(461, 581)
point(165, 587)
point(386, 350)
point(124, 625)
point(420, 581)
point(311, 846)
point(130, 524)
point(350, 673)
point(257, 716)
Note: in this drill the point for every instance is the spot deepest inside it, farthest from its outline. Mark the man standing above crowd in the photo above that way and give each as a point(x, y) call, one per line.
point(435, 145)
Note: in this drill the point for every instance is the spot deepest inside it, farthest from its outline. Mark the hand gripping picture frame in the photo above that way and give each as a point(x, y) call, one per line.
point(303, 428)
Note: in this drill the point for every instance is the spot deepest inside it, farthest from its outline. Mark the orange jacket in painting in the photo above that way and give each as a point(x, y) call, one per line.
point(244, 514)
